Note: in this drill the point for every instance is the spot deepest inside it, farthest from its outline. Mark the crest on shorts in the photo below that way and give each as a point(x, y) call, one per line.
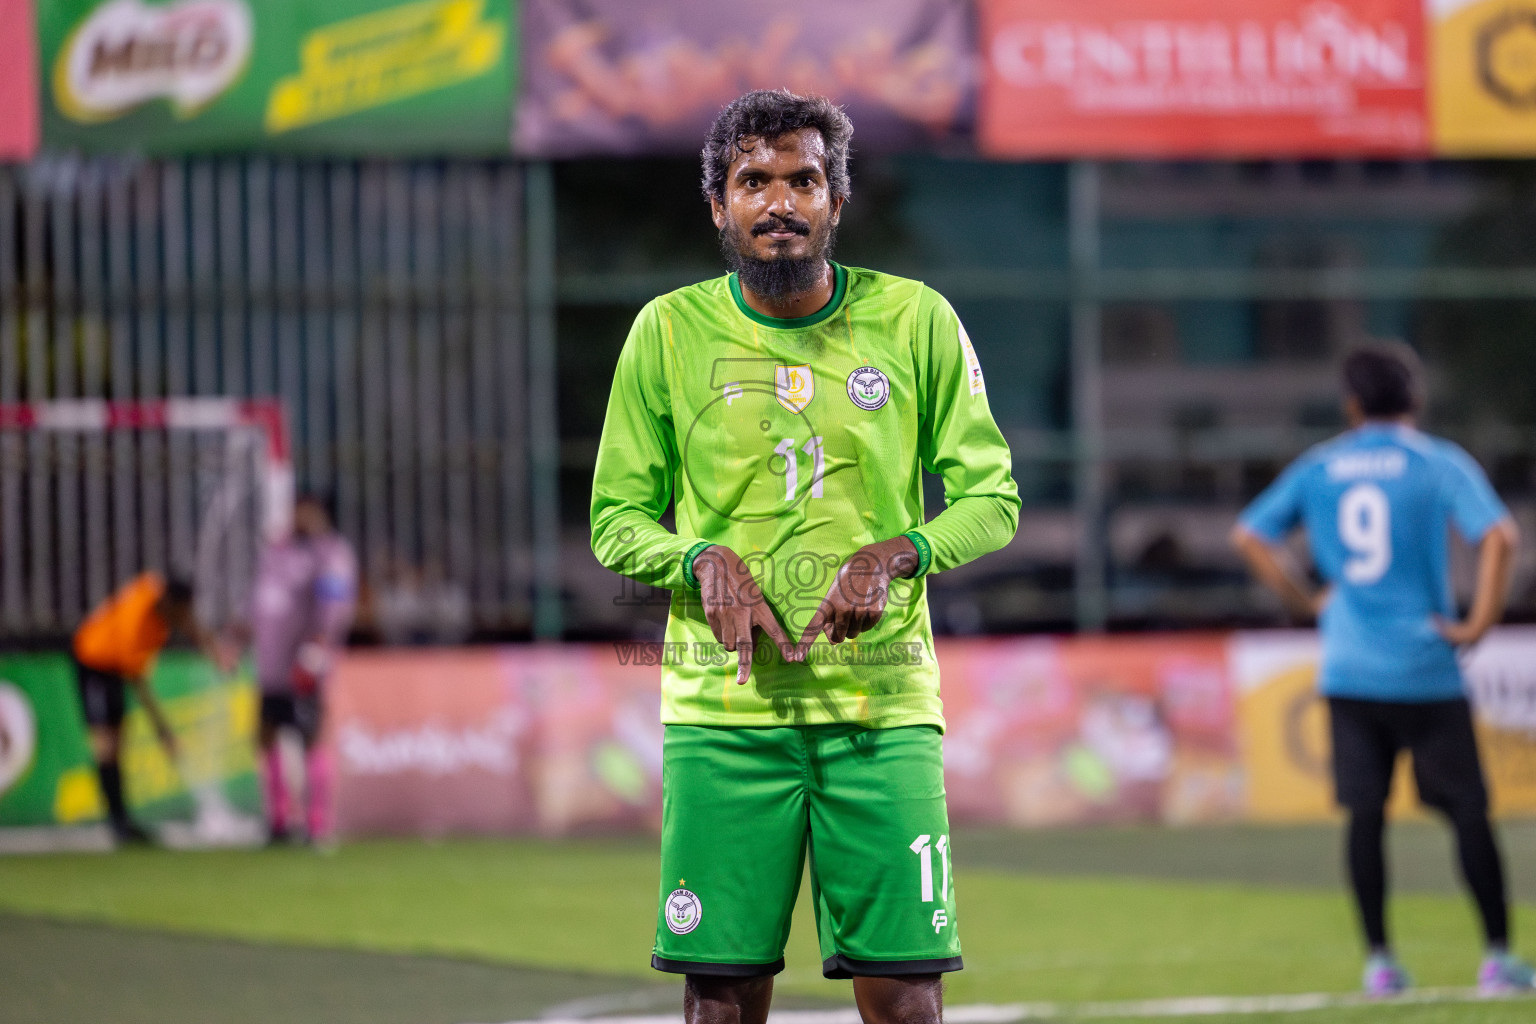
point(795, 386)
point(682, 911)
point(868, 388)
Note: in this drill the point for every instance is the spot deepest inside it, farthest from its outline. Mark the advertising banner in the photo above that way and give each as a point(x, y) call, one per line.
point(18, 81)
point(429, 743)
point(47, 775)
point(649, 76)
point(1283, 724)
point(1484, 59)
point(1050, 732)
point(598, 732)
point(1202, 78)
point(351, 76)
point(208, 796)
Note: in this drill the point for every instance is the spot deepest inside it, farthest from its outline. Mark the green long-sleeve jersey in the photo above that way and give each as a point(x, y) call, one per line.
point(795, 443)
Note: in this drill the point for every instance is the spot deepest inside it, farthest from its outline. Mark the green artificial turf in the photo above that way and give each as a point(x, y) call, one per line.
point(588, 907)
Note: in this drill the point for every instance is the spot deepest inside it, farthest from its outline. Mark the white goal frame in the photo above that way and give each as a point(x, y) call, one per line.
point(32, 607)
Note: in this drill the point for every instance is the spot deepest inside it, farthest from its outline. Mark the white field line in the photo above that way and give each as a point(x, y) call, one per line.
point(1009, 1013)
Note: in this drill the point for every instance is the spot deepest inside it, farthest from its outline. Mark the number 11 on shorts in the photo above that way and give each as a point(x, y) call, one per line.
point(924, 851)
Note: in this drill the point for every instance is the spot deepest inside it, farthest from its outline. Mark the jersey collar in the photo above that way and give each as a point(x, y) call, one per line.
point(839, 288)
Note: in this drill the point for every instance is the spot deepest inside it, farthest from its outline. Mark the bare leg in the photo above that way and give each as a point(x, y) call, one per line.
point(711, 1000)
point(918, 999)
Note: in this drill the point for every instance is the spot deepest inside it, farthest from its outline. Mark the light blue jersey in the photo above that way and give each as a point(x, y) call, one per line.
point(1376, 504)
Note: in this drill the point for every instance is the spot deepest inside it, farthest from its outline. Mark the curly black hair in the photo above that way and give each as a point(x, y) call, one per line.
point(769, 114)
point(1385, 378)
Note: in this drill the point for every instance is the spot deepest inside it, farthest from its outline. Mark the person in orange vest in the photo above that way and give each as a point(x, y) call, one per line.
point(114, 649)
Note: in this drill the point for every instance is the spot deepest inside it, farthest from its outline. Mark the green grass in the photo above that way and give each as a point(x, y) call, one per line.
point(1105, 933)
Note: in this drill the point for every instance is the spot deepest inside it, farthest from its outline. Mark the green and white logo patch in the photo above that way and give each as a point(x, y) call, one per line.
point(683, 911)
point(868, 388)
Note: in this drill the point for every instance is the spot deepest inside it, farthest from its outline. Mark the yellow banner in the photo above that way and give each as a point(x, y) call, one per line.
point(388, 55)
point(1283, 726)
point(1484, 78)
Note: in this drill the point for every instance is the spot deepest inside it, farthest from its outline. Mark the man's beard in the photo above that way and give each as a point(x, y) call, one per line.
point(783, 277)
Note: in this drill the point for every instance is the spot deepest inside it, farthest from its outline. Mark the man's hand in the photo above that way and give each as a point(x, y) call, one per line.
point(1495, 563)
point(856, 600)
point(1461, 634)
point(736, 609)
point(224, 653)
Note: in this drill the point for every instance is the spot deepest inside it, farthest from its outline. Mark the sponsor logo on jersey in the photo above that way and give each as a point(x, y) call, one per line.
point(683, 911)
point(972, 364)
point(795, 387)
point(1383, 464)
point(128, 53)
point(868, 388)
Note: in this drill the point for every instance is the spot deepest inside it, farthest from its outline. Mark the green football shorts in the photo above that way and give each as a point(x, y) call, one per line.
point(741, 809)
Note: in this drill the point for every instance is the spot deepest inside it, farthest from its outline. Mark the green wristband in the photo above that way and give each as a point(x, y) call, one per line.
point(688, 577)
point(924, 552)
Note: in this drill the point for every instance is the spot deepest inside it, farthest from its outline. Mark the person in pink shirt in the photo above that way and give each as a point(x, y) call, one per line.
point(306, 591)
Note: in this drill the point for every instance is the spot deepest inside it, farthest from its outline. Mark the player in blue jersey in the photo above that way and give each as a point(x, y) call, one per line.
point(1377, 504)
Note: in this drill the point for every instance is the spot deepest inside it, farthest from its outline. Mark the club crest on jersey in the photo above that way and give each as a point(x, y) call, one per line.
point(683, 911)
point(868, 388)
point(795, 387)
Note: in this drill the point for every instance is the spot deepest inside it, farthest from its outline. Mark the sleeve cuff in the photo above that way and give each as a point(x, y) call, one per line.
point(688, 577)
point(924, 552)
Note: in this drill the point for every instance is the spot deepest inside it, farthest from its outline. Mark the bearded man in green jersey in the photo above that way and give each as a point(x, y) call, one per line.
point(787, 412)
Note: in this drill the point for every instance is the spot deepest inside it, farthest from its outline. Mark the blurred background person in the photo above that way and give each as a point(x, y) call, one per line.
point(115, 650)
point(306, 586)
point(1377, 504)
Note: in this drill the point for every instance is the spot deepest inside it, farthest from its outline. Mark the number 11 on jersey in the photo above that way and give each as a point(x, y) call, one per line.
point(786, 448)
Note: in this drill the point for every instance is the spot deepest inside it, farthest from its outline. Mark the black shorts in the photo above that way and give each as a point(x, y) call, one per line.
point(104, 695)
point(1368, 734)
point(297, 711)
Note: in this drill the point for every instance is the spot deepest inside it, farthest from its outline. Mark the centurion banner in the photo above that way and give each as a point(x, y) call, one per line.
point(1484, 59)
point(349, 76)
point(1202, 78)
point(648, 76)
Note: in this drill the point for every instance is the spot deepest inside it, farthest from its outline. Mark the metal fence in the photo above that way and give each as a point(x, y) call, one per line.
point(382, 302)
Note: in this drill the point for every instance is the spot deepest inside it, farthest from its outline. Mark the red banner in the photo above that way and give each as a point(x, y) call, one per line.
point(1202, 78)
point(18, 81)
point(1049, 732)
point(429, 743)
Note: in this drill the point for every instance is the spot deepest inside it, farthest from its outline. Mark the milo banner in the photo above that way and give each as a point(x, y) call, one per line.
point(1484, 91)
point(1283, 724)
point(349, 76)
point(209, 795)
point(47, 775)
point(649, 76)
